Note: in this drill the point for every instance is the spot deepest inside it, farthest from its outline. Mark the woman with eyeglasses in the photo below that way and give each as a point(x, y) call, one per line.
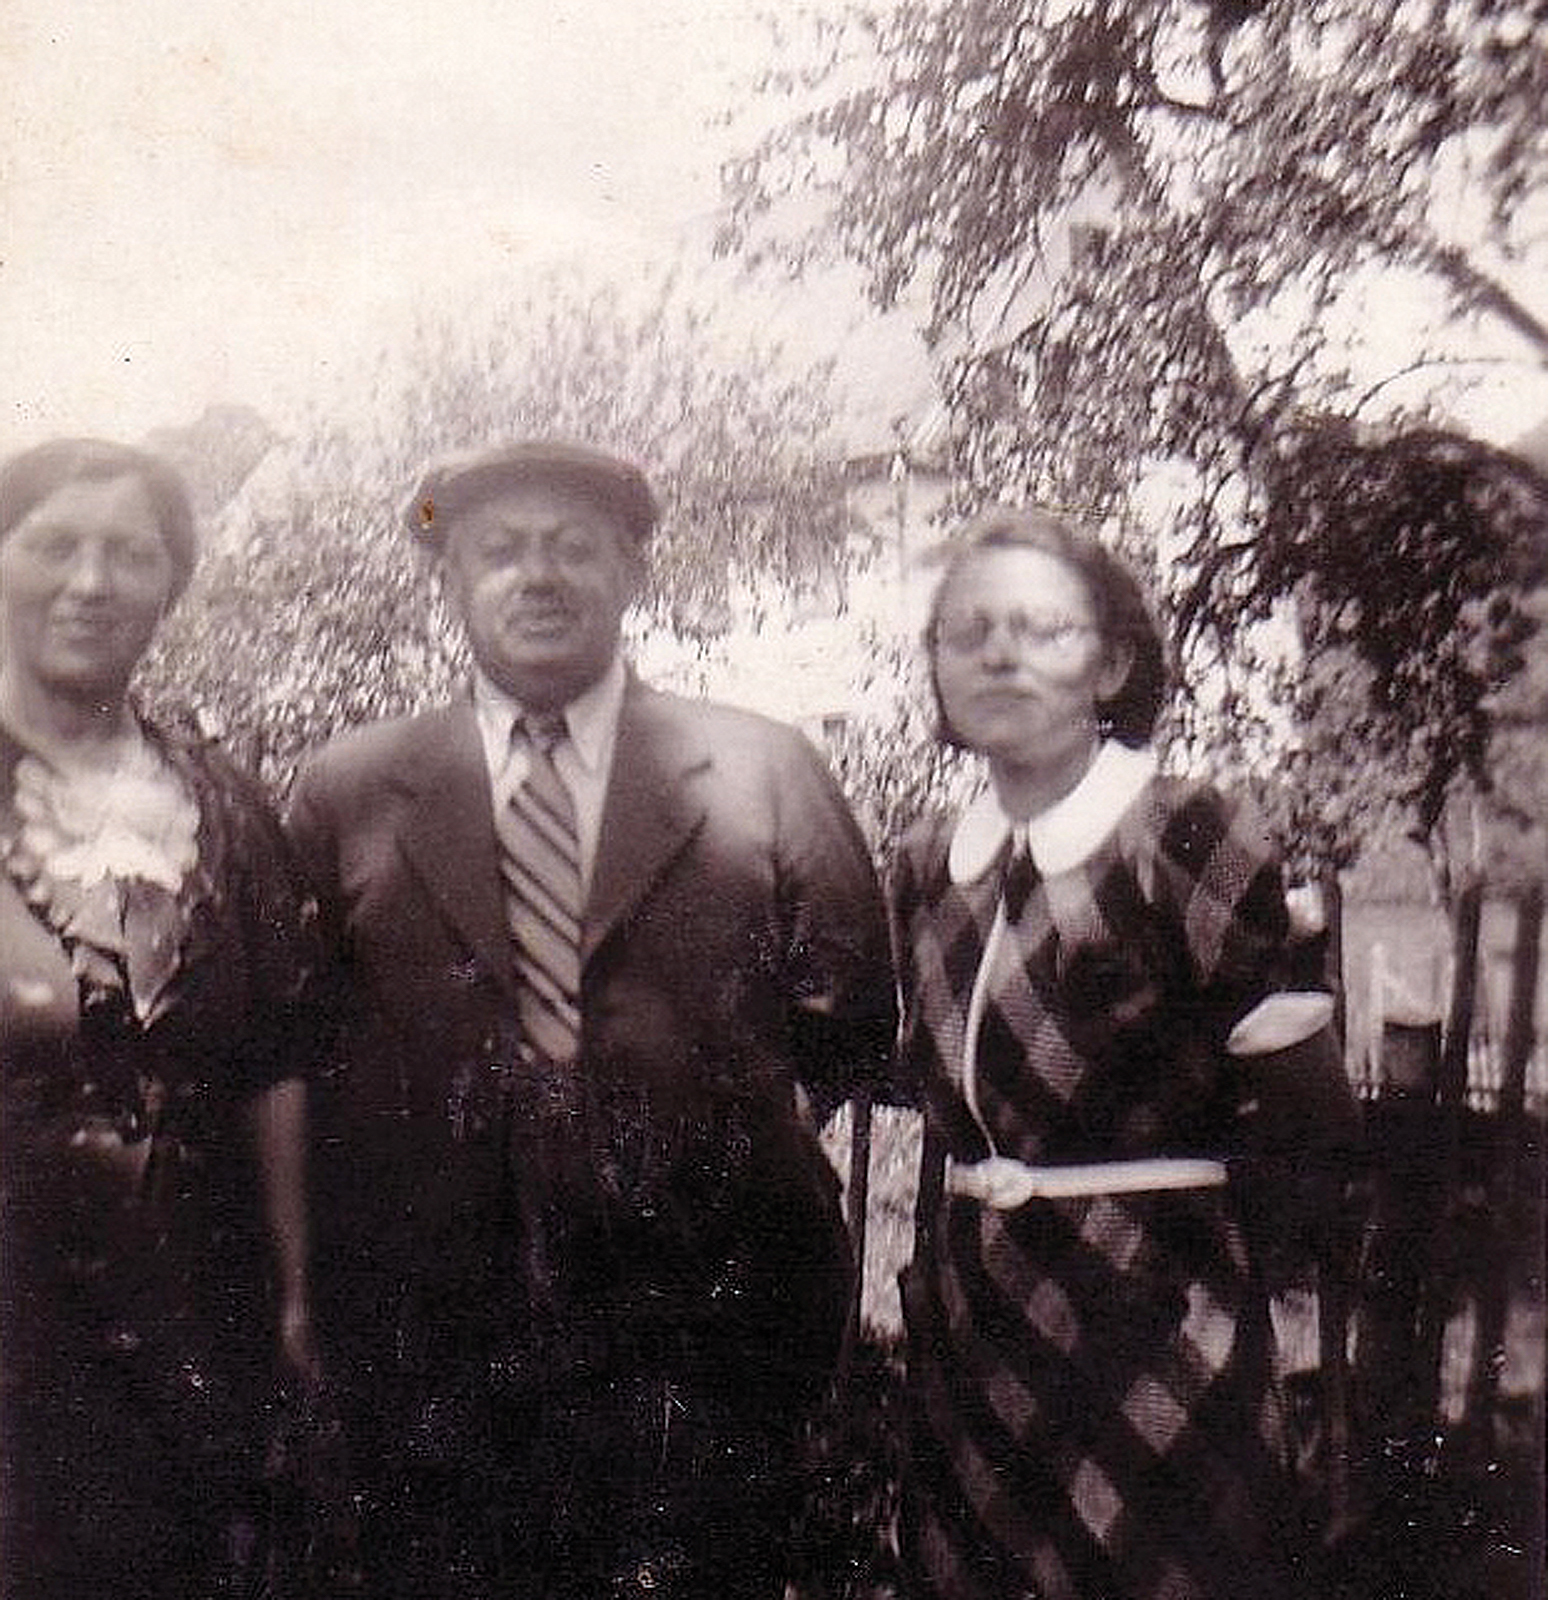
point(156, 968)
point(1086, 951)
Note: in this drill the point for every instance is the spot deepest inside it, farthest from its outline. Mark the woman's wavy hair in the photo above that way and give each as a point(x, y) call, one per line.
point(28, 478)
point(1122, 612)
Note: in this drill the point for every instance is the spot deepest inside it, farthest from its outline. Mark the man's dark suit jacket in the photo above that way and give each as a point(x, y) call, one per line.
point(735, 942)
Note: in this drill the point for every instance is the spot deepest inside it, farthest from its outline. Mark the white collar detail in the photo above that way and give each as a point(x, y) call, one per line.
point(1069, 831)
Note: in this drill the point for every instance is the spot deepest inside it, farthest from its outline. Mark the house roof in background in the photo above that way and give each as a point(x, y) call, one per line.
point(1532, 446)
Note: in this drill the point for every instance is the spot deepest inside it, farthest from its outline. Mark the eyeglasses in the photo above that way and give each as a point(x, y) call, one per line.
point(1038, 638)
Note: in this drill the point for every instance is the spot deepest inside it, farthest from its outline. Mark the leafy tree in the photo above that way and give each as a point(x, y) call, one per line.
point(1145, 231)
point(892, 765)
point(312, 610)
point(1412, 558)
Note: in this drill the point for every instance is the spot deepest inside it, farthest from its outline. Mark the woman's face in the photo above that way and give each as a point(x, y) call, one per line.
point(84, 579)
point(1020, 663)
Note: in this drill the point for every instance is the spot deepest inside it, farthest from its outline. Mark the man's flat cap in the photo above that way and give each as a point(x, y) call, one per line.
point(455, 483)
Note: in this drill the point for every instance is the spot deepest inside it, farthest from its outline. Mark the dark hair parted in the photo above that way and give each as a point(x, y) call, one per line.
point(1122, 614)
point(28, 478)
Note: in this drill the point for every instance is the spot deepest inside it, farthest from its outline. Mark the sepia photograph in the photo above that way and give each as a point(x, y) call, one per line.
point(774, 800)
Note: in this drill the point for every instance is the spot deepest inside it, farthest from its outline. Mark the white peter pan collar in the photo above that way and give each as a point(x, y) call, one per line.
point(1069, 831)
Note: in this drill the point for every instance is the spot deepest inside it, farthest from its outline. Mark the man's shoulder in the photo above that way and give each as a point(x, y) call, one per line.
point(728, 729)
point(744, 751)
point(376, 751)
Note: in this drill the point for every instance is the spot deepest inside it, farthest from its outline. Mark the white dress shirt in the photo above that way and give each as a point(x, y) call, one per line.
point(584, 758)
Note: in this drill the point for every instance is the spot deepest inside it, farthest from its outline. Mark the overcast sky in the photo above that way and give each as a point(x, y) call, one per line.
point(214, 201)
point(206, 201)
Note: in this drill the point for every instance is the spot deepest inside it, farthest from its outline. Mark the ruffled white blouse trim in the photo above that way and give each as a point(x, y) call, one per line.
point(136, 821)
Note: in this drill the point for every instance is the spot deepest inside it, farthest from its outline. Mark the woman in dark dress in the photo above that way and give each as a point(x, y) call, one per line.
point(1087, 950)
point(155, 958)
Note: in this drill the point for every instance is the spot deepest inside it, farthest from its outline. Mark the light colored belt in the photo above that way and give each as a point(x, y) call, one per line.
point(1007, 1184)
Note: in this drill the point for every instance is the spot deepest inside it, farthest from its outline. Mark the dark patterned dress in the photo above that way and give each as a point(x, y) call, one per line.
point(1092, 1409)
point(141, 1008)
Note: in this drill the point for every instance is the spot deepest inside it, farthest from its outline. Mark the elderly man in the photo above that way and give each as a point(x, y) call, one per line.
point(598, 949)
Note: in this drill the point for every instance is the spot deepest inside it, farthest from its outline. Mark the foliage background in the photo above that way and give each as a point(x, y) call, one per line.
point(312, 609)
point(1155, 242)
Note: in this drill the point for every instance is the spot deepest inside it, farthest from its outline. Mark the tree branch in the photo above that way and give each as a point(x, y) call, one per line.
point(1421, 364)
point(1487, 293)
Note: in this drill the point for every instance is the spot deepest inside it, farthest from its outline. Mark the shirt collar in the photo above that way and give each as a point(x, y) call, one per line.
point(1068, 832)
point(590, 719)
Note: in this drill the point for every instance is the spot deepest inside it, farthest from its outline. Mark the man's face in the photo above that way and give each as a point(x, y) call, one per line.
point(541, 578)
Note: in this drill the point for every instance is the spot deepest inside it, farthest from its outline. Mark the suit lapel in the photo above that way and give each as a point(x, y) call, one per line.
point(448, 836)
point(651, 808)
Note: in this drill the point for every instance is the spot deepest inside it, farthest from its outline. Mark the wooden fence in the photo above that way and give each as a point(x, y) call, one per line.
point(1426, 1417)
point(1448, 1283)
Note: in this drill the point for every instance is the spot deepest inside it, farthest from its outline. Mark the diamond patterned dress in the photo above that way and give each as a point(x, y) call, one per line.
point(1092, 1409)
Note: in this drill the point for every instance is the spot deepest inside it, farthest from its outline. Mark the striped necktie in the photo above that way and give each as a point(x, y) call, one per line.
point(540, 864)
